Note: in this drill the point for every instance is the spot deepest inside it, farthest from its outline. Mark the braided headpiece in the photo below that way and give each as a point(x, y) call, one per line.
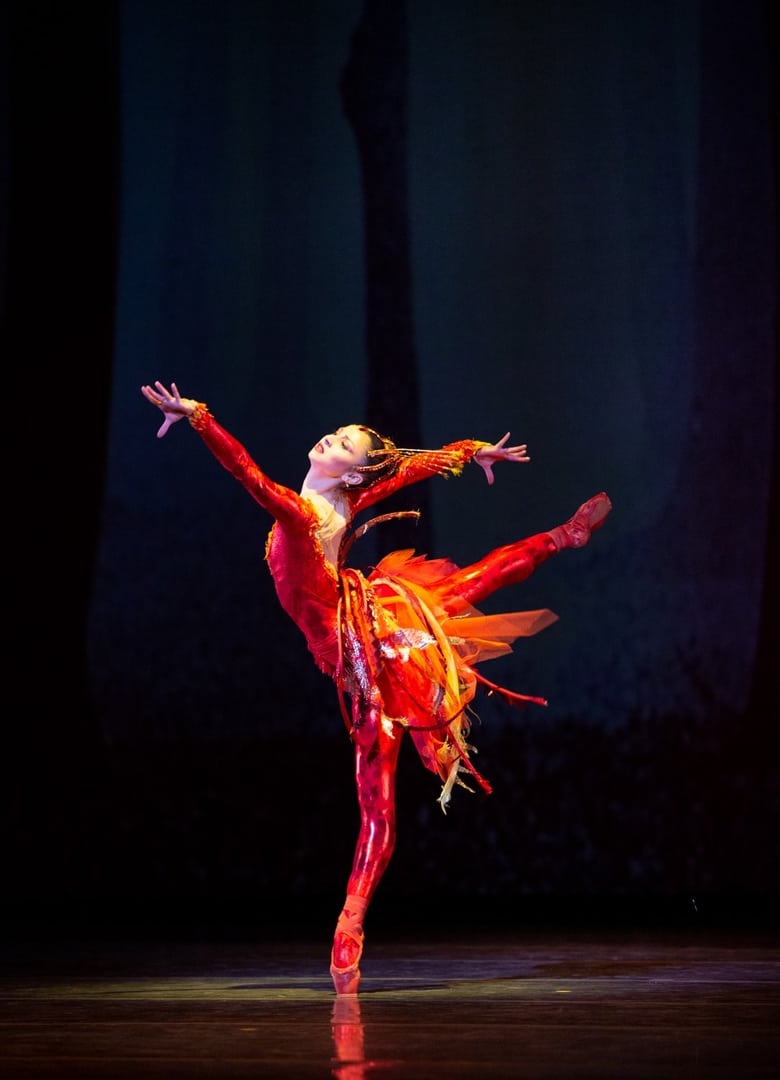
point(389, 457)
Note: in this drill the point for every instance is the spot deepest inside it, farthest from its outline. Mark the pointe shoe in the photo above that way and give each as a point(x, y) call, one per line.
point(348, 945)
point(346, 978)
point(577, 530)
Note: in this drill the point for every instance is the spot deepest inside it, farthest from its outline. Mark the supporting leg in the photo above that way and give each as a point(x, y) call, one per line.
point(376, 759)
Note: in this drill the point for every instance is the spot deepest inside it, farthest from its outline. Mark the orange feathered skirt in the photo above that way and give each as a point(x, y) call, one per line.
point(405, 650)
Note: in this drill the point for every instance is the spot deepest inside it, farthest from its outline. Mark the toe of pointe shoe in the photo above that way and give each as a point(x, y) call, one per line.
point(597, 509)
point(346, 982)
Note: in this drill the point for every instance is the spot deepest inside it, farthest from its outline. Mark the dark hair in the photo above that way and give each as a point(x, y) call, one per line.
point(383, 457)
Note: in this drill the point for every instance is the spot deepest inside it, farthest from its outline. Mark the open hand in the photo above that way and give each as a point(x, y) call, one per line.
point(487, 455)
point(172, 404)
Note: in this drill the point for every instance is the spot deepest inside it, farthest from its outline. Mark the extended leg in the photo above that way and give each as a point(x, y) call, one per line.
point(513, 563)
point(376, 758)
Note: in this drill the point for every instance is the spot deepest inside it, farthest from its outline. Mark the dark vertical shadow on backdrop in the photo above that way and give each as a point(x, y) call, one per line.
point(374, 91)
point(57, 343)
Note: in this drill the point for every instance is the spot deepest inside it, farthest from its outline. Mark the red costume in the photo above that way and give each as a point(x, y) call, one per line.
point(402, 643)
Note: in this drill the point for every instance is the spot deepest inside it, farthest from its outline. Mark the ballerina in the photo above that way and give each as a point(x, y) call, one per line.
point(402, 642)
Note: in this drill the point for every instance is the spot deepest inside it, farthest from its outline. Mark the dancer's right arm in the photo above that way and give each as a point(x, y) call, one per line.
point(280, 501)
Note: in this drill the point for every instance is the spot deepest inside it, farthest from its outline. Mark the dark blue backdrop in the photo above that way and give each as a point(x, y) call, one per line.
point(592, 224)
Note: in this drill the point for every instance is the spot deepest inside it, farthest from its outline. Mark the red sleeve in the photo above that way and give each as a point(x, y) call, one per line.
point(280, 501)
point(448, 461)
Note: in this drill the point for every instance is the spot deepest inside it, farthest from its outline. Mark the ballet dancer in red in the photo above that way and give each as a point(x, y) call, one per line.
point(402, 642)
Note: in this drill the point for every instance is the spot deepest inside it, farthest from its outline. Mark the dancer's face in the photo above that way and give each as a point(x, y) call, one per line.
point(338, 453)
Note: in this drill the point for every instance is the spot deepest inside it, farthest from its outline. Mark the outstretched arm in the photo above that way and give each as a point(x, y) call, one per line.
point(278, 500)
point(487, 455)
point(447, 461)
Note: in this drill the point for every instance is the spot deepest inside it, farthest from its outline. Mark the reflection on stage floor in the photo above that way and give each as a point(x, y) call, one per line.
point(545, 1004)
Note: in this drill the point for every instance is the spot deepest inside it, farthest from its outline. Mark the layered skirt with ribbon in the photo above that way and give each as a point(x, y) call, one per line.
point(402, 650)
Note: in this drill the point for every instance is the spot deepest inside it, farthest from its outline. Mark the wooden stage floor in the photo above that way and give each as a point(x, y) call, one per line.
point(541, 1004)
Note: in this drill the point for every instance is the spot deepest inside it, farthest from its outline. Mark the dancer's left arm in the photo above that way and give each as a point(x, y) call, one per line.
point(448, 461)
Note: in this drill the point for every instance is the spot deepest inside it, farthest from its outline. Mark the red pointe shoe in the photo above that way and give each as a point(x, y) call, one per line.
point(348, 946)
point(577, 530)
